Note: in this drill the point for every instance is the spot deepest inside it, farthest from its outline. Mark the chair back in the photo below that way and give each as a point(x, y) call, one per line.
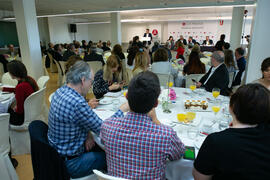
point(231, 77)
point(46, 162)
point(53, 67)
point(33, 106)
point(7, 80)
point(45, 73)
point(60, 73)
point(102, 176)
point(42, 81)
point(1, 70)
point(4, 134)
point(189, 78)
point(164, 78)
point(95, 66)
point(63, 66)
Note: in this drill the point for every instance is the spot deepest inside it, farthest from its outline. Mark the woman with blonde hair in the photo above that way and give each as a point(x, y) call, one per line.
point(110, 78)
point(141, 63)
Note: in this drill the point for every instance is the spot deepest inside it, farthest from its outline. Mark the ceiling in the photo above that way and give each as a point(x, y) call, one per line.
point(54, 7)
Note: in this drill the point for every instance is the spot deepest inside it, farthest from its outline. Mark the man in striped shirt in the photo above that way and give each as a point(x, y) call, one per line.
point(137, 145)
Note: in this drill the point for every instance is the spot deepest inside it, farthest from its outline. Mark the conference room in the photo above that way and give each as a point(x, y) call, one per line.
point(166, 89)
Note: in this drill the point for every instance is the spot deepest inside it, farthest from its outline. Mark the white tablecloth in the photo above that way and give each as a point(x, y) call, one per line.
point(180, 169)
point(7, 171)
point(5, 101)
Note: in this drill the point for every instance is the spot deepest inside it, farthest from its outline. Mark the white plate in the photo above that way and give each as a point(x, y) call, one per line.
point(195, 121)
point(105, 101)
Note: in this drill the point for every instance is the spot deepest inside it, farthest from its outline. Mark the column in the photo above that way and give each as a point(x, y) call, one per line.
point(259, 43)
point(116, 29)
point(236, 27)
point(27, 29)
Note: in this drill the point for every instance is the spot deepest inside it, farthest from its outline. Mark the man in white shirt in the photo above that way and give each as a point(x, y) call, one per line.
point(148, 34)
point(217, 76)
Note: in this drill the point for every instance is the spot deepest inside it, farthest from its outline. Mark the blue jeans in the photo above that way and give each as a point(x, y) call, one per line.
point(84, 164)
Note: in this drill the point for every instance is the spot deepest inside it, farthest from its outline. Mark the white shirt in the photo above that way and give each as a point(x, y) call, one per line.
point(211, 73)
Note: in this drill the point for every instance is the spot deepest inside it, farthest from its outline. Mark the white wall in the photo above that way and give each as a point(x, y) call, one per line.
point(60, 33)
point(98, 32)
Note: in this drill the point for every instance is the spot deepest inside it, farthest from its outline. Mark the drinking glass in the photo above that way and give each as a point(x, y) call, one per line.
point(216, 108)
point(181, 117)
point(223, 124)
point(192, 87)
point(190, 116)
point(215, 92)
point(115, 103)
point(192, 132)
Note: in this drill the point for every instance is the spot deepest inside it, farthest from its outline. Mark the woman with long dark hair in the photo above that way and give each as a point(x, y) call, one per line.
point(194, 65)
point(25, 87)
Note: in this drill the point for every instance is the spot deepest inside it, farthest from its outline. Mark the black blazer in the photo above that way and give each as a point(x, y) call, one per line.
point(94, 57)
point(219, 79)
point(150, 35)
point(210, 42)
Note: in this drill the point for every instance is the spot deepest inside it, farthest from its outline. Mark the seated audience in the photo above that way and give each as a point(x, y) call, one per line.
point(109, 44)
point(84, 44)
point(11, 50)
point(155, 47)
point(170, 42)
point(104, 47)
point(138, 140)
point(207, 41)
point(141, 63)
point(184, 41)
point(117, 50)
point(69, 52)
point(191, 41)
point(25, 87)
point(180, 50)
point(110, 78)
point(132, 52)
point(229, 61)
point(194, 64)
point(242, 151)
point(220, 43)
point(91, 55)
point(161, 65)
point(265, 68)
point(71, 121)
point(217, 76)
point(166, 46)
point(226, 46)
point(71, 61)
point(241, 64)
point(99, 49)
point(57, 53)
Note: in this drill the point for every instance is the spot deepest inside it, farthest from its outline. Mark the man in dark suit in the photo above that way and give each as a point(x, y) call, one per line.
point(217, 76)
point(57, 53)
point(69, 52)
point(207, 41)
point(93, 56)
point(191, 41)
point(148, 34)
point(241, 64)
point(184, 41)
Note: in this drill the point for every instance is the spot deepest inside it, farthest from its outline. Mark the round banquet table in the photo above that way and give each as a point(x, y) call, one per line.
point(5, 100)
point(180, 169)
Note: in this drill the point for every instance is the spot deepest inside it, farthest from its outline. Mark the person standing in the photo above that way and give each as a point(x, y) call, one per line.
point(241, 64)
point(148, 34)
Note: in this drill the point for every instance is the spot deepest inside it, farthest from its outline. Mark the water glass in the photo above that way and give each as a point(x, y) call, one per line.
point(115, 103)
point(192, 132)
point(223, 124)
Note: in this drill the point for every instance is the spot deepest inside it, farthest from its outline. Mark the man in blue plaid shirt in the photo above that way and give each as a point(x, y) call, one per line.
point(70, 121)
point(137, 146)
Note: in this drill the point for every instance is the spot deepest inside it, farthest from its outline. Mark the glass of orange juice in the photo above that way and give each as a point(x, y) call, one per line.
point(170, 84)
point(216, 109)
point(192, 87)
point(181, 117)
point(190, 116)
point(215, 92)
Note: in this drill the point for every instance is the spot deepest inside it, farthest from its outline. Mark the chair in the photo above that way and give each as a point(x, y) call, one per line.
point(164, 78)
point(53, 67)
point(46, 162)
point(19, 136)
point(189, 78)
point(42, 81)
point(7, 170)
point(102, 176)
point(60, 73)
point(95, 66)
point(231, 78)
point(45, 73)
point(1, 70)
point(7, 80)
point(4, 135)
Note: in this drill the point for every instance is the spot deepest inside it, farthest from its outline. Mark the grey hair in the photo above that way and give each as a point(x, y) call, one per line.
point(76, 72)
point(218, 56)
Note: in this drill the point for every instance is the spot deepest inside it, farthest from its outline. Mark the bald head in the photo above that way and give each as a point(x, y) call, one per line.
point(217, 58)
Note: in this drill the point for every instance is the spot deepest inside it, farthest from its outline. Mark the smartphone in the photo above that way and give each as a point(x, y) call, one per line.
point(189, 153)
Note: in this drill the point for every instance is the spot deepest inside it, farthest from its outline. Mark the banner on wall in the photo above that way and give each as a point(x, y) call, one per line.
point(197, 29)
